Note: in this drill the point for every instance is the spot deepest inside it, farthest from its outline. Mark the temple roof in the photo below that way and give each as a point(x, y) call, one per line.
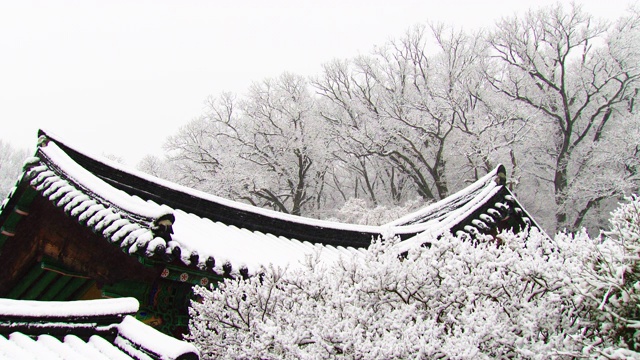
point(89, 329)
point(157, 219)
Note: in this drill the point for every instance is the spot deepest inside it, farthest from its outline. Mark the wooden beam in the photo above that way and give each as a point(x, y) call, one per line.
point(19, 253)
point(69, 289)
point(36, 289)
point(78, 250)
point(78, 294)
point(55, 288)
point(27, 281)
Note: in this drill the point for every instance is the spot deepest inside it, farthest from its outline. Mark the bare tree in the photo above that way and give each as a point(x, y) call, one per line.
point(267, 148)
point(412, 106)
point(577, 78)
point(348, 104)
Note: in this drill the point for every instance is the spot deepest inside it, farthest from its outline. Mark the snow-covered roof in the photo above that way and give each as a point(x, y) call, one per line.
point(158, 219)
point(89, 329)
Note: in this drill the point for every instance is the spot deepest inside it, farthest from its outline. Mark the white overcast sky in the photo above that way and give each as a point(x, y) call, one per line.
point(119, 76)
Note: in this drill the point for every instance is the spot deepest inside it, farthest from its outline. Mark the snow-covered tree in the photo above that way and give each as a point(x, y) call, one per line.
point(526, 296)
point(551, 93)
point(611, 282)
point(416, 115)
point(358, 211)
point(403, 102)
point(11, 160)
point(203, 153)
point(283, 140)
point(579, 77)
point(267, 148)
point(349, 105)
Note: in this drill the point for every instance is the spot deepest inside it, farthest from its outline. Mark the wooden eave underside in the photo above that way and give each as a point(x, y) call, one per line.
point(47, 233)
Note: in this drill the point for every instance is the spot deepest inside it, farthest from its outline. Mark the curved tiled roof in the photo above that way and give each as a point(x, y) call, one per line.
point(160, 220)
point(96, 329)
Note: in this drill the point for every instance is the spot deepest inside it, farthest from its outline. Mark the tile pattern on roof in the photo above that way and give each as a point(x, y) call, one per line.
point(195, 241)
point(156, 231)
point(501, 212)
point(477, 191)
point(91, 202)
point(90, 329)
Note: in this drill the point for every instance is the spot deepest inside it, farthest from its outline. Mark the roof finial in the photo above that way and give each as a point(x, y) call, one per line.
point(43, 140)
point(501, 176)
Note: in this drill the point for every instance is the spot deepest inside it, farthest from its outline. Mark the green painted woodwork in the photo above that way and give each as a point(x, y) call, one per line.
point(168, 303)
point(82, 290)
point(182, 274)
point(44, 280)
point(69, 289)
point(55, 288)
point(127, 288)
point(164, 304)
point(52, 265)
point(8, 229)
point(41, 283)
point(16, 214)
point(189, 276)
point(26, 282)
point(61, 289)
point(3, 238)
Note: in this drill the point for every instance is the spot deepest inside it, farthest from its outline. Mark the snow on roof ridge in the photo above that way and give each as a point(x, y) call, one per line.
point(217, 199)
point(86, 179)
point(396, 227)
point(147, 337)
point(437, 228)
point(256, 246)
point(432, 208)
point(78, 308)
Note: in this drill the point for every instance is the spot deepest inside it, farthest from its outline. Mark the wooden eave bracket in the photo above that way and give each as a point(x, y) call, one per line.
point(15, 211)
point(182, 274)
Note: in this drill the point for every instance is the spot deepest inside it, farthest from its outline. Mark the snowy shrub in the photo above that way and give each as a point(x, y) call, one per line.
point(532, 297)
point(611, 282)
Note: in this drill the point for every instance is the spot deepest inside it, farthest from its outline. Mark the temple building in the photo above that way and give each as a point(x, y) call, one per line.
point(80, 227)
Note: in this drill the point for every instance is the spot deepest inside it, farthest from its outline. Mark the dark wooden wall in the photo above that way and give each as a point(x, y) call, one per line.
point(47, 232)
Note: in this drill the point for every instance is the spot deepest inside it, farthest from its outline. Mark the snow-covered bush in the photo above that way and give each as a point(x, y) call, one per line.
point(611, 282)
point(531, 297)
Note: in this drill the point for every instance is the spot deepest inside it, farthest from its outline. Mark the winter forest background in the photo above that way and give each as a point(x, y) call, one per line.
point(550, 94)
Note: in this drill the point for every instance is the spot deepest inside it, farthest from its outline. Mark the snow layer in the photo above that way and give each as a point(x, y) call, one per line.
point(217, 199)
point(134, 339)
point(202, 240)
point(65, 309)
point(242, 248)
point(87, 180)
point(443, 208)
point(147, 337)
point(62, 349)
